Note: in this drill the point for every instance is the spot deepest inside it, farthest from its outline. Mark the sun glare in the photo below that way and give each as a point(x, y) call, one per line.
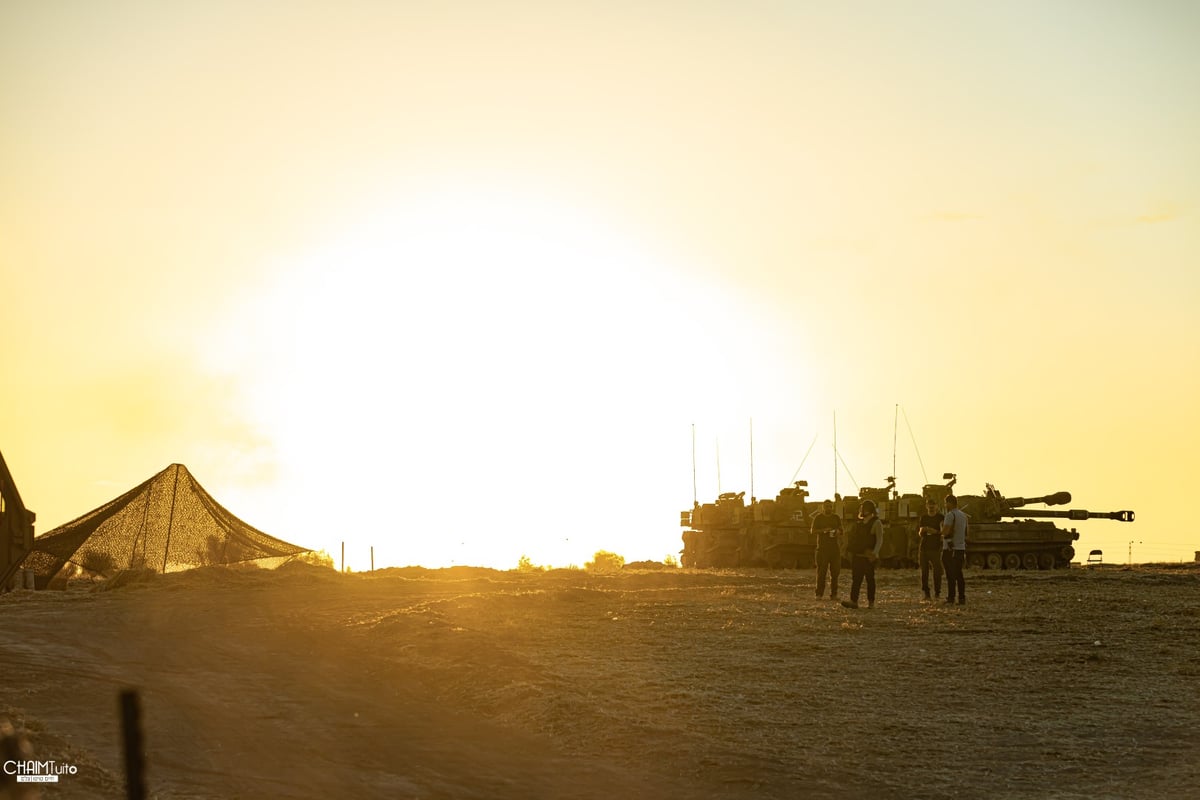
point(445, 379)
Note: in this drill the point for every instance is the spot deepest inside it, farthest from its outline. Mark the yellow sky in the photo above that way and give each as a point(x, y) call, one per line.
point(455, 280)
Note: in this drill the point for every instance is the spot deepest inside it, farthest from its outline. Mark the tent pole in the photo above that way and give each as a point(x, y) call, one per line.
point(141, 533)
point(171, 519)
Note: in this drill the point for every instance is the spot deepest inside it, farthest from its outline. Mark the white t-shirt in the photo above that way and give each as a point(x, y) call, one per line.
point(958, 540)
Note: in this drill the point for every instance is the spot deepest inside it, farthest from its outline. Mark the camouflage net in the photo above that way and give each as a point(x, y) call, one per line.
point(167, 524)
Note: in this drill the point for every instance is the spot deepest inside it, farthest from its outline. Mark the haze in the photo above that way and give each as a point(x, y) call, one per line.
point(455, 281)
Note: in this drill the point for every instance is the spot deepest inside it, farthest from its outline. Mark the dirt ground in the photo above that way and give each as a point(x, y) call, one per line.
point(473, 683)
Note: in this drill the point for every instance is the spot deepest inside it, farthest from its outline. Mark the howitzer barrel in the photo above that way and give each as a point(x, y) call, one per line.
point(1056, 499)
point(1074, 513)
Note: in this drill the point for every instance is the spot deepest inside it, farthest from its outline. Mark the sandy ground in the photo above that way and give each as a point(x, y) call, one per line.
point(472, 683)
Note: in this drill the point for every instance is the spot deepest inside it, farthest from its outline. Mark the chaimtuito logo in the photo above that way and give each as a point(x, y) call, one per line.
point(31, 771)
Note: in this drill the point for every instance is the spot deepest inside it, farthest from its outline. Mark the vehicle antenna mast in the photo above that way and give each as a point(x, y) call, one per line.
point(718, 467)
point(895, 428)
point(916, 449)
point(806, 452)
point(695, 494)
point(835, 454)
point(752, 459)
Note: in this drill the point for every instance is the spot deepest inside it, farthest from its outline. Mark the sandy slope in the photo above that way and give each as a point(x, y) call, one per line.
point(480, 684)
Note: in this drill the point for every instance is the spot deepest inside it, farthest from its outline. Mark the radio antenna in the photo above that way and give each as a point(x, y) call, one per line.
point(916, 450)
point(752, 459)
point(718, 466)
point(835, 454)
point(695, 494)
point(806, 452)
point(895, 424)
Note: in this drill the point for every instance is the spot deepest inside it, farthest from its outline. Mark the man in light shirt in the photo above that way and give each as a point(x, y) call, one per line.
point(954, 553)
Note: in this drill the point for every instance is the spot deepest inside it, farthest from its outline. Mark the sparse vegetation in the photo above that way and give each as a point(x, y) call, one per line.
point(525, 564)
point(671, 560)
point(605, 563)
point(318, 558)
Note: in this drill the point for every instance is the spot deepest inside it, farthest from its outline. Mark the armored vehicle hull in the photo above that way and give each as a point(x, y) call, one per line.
point(1020, 544)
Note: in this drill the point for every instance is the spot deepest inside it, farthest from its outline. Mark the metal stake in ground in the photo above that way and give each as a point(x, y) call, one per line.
point(135, 757)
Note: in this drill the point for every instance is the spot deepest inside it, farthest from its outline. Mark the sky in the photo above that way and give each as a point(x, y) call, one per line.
point(462, 282)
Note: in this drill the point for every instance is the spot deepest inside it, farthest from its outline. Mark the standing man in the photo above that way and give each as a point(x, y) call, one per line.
point(865, 541)
point(954, 534)
point(827, 530)
point(929, 552)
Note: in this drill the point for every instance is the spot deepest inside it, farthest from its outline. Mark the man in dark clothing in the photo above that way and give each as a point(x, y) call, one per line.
point(865, 541)
point(827, 530)
point(929, 553)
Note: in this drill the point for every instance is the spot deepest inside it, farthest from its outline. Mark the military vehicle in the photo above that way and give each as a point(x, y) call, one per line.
point(899, 515)
point(778, 533)
point(16, 528)
point(766, 533)
point(714, 535)
point(1004, 534)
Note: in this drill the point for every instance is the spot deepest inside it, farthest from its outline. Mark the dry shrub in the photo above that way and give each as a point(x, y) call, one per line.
point(525, 564)
point(605, 563)
point(317, 558)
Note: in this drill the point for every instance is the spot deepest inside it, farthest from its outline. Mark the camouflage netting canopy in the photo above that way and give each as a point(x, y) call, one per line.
point(167, 524)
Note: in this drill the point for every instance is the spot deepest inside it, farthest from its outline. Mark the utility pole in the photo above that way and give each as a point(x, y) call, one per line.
point(1130, 564)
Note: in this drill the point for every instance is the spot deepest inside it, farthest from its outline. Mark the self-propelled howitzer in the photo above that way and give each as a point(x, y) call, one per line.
point(1004, 534)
